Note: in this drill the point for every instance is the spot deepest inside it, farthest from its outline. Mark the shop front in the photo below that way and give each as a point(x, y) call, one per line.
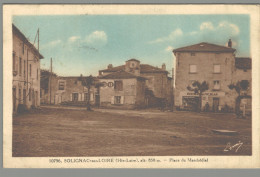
point(211, 101)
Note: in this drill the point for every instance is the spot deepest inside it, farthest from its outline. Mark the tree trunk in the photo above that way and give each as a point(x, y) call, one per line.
point(88, 100)
point(237, 107)
point(199, 108)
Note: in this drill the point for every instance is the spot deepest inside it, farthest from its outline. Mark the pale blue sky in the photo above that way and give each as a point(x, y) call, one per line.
point(84, 44)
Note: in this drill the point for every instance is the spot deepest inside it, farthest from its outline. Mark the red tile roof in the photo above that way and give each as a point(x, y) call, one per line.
point(204, 47)
point(243, 63)
point(121, 75)
point(144, 68)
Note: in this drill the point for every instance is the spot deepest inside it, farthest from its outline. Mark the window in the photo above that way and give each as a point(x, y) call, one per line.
point(117, 99)
point(37, 74)
point(20, 96)
point(61, 85)
point(75, 96)
point(193, 68)
point(24, 70)
point(23, 47)
point(30, 71)
point(216, 85)
point(216, 69)
point(13, 61)
point(20, 66)
point(30, 94)
point(118, 85)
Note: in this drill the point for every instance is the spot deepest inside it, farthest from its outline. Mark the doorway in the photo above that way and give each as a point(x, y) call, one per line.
point(215, 104)
point(75, 96)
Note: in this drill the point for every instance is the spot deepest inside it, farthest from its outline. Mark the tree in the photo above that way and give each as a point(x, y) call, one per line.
point(239, 86)
point(199, 88)
point(88, 82)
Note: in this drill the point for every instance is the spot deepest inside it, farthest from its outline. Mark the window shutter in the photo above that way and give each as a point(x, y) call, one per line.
point(70, 97)
point(83, 95)
point(112, 100)
point(122, 100)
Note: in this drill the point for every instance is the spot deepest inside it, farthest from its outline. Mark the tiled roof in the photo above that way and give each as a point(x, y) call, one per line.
point(133, 59)
point(243, 63)
point(18, 32)
point(121, 75)
point(204, 47)
point(144, 68)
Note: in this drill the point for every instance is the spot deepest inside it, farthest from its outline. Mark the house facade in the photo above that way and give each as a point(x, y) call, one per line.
point(26, 72)
point(122, 90)
point(158, 86)
point(68, 91)
point(217, 65)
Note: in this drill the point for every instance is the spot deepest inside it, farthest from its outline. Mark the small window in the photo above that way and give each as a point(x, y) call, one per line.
point(13, 61)
point(193, 68)
point(216, 69)
point(133, 64)
point(24, 70)
point(30, 94)
point(61, 85)
point(216, 85)
point(117, 99)
point(30, 70)
point(118, 85)
point(20, 66)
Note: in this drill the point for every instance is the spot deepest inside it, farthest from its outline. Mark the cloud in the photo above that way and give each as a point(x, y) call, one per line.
point(54, 43)
point(206, 26)
point(173, 35)
point(73, 38)
point(96, 37)
point(169, 49)
point(224, 25)
point(51, 44)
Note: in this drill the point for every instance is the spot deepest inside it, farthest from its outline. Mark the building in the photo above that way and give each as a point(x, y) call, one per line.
point(158, 86)
point(218, 66)
point(67, 90)
point(26, 72)
point(122, 89)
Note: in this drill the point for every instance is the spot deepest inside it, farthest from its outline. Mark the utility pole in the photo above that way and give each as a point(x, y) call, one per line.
point(50, 80)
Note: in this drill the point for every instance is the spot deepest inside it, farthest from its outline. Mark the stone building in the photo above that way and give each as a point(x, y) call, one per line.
point(122, 89)
point(26, 72)
point(217, 65)
point(68, 91)
point(158, 86)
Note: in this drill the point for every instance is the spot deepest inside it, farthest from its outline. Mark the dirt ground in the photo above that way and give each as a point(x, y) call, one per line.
point(66, 132)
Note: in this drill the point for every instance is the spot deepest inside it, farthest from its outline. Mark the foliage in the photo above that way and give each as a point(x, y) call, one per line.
point(45, 74)
point(239, 86)
point(199, 88)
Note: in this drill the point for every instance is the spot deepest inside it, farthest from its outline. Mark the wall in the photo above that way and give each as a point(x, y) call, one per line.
point(72, 85)
point(130, 90)
point(205, 62)
point(22, 79)
point(158, 83)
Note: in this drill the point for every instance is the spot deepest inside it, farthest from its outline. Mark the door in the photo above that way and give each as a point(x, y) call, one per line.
point(14, 99)
point(24, 96)
point(215, 104)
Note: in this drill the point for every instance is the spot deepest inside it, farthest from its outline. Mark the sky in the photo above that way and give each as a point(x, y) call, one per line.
point(84, 44)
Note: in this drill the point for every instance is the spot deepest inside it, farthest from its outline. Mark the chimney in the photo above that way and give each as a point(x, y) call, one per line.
point(163, 66)
point(109, 66)
point(230, 43)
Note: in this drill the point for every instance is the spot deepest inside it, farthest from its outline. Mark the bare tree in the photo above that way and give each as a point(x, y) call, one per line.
point(199, 88)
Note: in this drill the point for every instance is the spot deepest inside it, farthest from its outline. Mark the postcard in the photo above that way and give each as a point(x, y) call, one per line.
point(131, 86)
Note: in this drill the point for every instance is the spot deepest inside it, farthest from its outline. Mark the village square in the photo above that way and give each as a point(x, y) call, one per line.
point(199, 105)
